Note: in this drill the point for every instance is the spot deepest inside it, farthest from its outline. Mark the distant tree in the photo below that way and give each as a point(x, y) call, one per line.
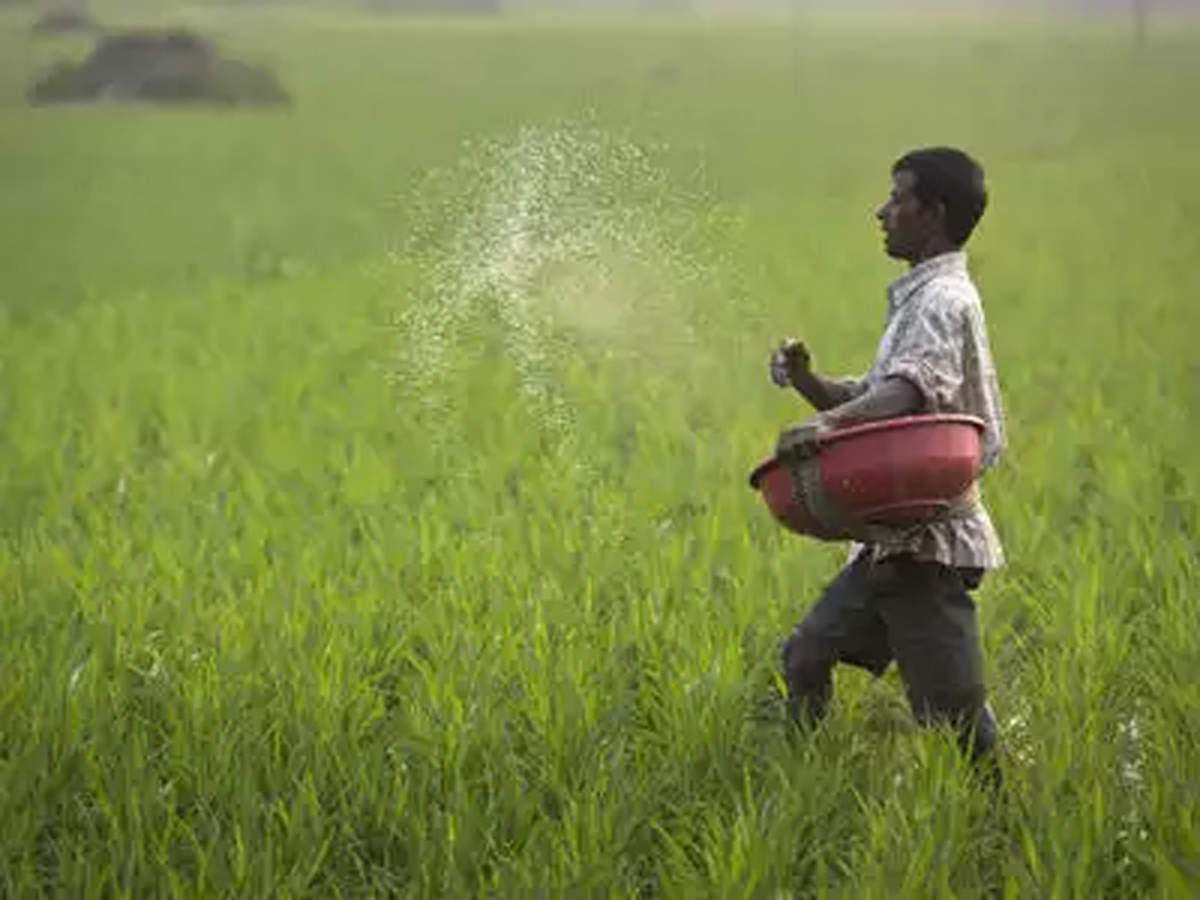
point(64, 15)
point(161, 66)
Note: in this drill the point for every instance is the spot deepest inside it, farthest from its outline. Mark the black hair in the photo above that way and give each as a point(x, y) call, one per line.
point(950, 177)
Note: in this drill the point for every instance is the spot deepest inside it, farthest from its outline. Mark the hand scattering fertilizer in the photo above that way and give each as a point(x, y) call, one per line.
point(895, 473)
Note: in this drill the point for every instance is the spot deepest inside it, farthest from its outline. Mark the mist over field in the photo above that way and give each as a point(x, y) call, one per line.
point(1085, 8)
point(377, 396)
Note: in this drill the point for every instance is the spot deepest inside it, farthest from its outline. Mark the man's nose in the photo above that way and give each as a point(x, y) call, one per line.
point(880, 212)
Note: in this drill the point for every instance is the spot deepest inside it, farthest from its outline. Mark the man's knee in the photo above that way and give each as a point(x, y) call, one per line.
point(805, 658)
point(807, 671)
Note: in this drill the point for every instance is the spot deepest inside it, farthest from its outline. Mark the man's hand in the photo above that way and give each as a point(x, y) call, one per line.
point(791, 363)
point(802, 441)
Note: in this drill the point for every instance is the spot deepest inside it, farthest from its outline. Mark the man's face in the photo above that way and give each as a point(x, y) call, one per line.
point(907, 225)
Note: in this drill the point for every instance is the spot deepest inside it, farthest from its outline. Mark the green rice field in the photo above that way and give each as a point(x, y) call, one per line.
point(373, 504)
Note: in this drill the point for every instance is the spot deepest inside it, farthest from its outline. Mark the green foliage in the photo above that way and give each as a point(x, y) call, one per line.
point(292, 607)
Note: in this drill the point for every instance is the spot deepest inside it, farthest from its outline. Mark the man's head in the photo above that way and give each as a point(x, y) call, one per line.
point(937, 197)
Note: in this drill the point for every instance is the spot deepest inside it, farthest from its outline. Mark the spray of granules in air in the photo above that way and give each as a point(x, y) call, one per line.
point(563, 240)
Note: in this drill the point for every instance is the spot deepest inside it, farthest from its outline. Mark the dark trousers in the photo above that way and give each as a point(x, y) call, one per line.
point(917, 612)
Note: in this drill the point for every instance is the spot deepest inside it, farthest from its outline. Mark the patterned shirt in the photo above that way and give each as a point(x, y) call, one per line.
point(936, 338)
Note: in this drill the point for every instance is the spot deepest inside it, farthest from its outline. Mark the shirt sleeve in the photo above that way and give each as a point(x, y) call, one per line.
point(927, 351)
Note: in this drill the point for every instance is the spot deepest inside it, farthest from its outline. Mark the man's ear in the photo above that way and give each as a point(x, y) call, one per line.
point(939, 213)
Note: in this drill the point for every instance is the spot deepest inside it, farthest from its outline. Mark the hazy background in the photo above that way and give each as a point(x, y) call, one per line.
point(1024, 7)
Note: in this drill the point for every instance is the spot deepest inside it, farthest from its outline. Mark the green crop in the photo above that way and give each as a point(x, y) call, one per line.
point(373, 515)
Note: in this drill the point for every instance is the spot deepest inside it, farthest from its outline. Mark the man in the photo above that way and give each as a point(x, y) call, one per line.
point(906, 595)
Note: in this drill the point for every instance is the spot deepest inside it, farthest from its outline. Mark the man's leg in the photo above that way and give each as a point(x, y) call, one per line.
point(843, 626)
point(932, 628)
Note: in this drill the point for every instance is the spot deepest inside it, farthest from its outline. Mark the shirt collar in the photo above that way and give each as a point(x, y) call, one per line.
point(922, 273)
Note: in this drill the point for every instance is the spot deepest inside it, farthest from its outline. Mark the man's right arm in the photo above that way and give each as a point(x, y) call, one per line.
point(825, 393)
point(821, 392)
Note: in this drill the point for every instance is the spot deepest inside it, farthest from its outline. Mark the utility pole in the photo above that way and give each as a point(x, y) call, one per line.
point(1141, 15)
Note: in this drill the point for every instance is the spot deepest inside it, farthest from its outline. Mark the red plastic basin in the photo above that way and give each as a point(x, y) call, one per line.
point(894, 472)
